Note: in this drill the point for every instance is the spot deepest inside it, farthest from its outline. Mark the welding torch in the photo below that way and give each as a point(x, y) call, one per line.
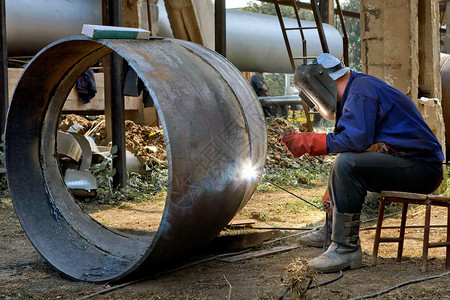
point(283, 133)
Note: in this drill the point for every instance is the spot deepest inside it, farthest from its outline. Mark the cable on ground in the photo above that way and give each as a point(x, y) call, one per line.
point(400, 285)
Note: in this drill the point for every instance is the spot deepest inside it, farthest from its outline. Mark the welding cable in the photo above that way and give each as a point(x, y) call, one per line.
point(287, 191)
point(310, 229)
point(110, 289)
point(113, 288)
point(310, 287)
point(282, 228)
point(400, 285)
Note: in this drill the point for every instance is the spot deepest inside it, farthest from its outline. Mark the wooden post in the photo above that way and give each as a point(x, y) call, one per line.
point(114, 100)
point(326, 8)
point(220, 27)
point(4, 100)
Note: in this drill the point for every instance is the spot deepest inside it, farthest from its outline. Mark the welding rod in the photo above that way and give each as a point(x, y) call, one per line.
point(284, 133)
point(276, 122)
point(274, 129)
point(282, 188)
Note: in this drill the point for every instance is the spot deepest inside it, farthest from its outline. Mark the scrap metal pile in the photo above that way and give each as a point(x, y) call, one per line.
point(147, 142)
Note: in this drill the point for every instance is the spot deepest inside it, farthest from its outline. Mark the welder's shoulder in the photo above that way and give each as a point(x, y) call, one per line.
point(366, 85)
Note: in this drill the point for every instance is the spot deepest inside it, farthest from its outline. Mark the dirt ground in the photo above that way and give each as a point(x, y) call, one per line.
point(24, 274)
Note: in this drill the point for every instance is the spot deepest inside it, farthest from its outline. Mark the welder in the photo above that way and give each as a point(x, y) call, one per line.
point(382, 142)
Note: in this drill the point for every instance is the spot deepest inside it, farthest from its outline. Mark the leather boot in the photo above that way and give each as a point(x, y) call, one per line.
point(317, 238)
point(345, 249)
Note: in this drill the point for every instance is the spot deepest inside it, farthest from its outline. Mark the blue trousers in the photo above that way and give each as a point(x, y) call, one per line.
point(353, 174)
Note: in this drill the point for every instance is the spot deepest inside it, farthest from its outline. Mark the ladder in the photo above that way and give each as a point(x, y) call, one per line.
point(300, 28)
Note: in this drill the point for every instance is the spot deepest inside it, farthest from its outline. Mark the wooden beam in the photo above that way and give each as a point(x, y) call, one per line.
point(114, 100)
point(220, 27)
point(3, 68)
point(192, 20)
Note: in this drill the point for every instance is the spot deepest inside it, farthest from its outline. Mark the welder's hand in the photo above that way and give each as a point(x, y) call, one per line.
point(299, 143)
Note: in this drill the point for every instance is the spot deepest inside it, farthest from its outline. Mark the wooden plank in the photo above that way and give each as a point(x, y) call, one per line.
point(192, 20)
point(414, 196)
point(259, 253)
point(241, 223)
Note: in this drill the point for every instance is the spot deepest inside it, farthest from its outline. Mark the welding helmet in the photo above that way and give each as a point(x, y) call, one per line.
point(315, 82)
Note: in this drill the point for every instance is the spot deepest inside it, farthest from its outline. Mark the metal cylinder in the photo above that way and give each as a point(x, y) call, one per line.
point(212, 128)
point(445, 83)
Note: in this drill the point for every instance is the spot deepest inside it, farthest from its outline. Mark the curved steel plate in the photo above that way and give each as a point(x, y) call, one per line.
point(211, 121)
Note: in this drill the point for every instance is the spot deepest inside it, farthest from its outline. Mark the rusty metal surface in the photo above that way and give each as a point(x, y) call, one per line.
point(445, 85)
point(211, 122)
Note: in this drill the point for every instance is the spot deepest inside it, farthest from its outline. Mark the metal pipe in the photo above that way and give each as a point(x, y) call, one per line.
point(281, 100)
point(253, 41)
point(210, 118)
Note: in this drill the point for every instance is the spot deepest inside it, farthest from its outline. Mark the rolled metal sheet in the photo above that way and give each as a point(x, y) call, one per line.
point(212, 129)
point(445, 85)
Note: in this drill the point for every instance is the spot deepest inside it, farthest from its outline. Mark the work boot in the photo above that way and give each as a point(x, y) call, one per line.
point(345, 249)
point(317, 238)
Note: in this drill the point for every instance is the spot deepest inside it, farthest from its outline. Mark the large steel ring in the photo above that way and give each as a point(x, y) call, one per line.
point(212, 128)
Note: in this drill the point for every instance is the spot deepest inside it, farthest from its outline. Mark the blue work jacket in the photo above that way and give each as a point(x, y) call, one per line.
point(372, 111)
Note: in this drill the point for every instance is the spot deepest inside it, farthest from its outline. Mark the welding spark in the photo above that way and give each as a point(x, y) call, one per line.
point(249, 172)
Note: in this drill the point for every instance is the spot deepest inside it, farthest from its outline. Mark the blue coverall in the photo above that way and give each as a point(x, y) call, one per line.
point(370, 112)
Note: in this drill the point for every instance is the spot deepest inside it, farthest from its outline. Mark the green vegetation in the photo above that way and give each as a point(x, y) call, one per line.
point(139, 188)
point(300, 173)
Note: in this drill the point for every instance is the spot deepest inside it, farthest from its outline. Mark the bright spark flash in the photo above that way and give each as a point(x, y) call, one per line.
point(249, 172)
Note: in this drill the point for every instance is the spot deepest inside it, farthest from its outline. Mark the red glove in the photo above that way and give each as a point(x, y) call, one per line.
point(299, 143)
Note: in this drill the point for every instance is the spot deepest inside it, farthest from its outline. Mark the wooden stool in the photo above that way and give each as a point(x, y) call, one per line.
point(411, 198)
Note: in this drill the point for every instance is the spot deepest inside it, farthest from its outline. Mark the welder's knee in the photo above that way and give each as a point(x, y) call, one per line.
point(344, 165)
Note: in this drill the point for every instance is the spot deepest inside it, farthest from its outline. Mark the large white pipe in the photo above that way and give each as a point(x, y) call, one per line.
point(254, 41)
point(33, 24)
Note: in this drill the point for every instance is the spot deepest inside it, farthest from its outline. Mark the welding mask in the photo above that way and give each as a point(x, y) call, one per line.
point(317, 89)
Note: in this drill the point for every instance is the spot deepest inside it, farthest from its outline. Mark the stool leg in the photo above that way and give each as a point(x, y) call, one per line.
point(447, 256)
point(402, 232)
point(376, 244)
point(426, 238)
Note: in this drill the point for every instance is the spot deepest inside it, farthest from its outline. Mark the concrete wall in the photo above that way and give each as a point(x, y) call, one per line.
point(389, 44)
point(400, 44)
